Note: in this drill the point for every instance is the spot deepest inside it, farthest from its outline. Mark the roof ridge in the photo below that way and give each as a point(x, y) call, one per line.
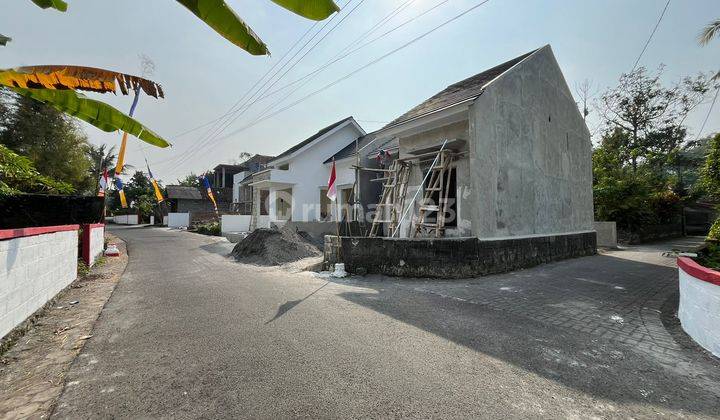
point(452, 94)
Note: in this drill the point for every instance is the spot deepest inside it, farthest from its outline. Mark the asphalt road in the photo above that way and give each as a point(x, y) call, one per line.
point(189, 333)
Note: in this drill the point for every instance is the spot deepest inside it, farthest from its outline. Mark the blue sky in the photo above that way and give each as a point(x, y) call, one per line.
point(203, 75)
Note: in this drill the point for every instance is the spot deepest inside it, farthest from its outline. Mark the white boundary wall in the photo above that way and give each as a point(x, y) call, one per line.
point(178, 220)
point(97, 243)
point(33, 269)
point(699, 309)
point(235, 223)
point(126, 219)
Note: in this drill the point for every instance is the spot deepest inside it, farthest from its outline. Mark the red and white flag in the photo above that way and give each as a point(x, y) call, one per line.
point(332, 192)
point(103, 183)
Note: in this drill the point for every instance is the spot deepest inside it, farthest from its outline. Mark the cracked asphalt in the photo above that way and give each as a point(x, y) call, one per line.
point(189, 333)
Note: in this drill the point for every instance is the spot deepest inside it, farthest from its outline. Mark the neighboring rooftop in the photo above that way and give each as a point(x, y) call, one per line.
point(184, 193)
point(349, 150)
point(458, 92)
point(313, 138)
point(229, 166)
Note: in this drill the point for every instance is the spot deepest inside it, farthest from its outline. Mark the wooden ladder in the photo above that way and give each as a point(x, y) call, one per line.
point(392, 199)
point(439, 183)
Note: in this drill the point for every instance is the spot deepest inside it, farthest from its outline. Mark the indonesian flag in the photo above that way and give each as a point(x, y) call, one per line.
point(332, 192)
point(103, 183)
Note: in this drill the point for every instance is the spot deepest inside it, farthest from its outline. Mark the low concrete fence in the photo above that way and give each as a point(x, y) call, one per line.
point(35, 264)
point(178, 220)
point(126, 219)
point(454, 257)
point(93, 242)
point(699, 309)
point(606, 234)
point(234, 223)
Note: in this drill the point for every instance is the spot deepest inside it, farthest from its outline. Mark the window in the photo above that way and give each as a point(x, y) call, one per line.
point(284, 167)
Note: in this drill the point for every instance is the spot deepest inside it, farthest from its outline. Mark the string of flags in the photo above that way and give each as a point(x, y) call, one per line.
point(103, 183)
point(206, 184)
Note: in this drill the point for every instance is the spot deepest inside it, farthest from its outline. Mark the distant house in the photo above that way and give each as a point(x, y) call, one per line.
point(242, 194)
point(182, 199)
point(294, 186)
point(520, 153)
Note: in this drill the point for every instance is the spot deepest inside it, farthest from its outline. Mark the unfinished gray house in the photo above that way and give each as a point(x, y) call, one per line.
point(512, 186)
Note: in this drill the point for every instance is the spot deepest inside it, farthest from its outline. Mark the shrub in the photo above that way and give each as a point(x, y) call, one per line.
point(714, 234)
point(209, 228)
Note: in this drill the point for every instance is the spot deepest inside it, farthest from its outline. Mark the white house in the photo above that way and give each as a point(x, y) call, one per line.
point(294, 186)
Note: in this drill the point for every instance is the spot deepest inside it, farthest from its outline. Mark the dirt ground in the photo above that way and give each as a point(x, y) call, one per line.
point(32, 371)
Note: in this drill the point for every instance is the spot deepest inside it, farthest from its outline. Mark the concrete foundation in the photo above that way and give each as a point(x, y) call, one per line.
point(455, 257)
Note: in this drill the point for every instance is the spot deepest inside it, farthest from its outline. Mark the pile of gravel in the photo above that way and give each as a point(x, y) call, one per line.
point(274, 247)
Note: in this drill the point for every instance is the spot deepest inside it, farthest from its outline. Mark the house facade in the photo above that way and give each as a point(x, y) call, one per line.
point(242, 191)
point(520, 153)
point(293, 187)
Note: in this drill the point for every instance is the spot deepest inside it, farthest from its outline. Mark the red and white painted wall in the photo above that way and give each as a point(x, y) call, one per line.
point(93, 242)
point(699, 309)
point(35, 264)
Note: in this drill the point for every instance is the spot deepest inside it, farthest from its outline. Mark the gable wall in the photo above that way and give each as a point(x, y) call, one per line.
point(530, 154)
point(310, 174)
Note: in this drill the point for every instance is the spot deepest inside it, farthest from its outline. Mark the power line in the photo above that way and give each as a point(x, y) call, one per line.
point(352, 73)
point(340, 57)
point(707, 116)
point(246, 106)
point(323, 67)
point(651, 35)
point(232, 115)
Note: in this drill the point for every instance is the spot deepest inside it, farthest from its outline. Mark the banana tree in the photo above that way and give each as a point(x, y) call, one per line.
point(223, 19)
point(57, 85)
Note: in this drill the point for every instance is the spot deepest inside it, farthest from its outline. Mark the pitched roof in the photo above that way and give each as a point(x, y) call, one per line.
point(349, 150)
point(229, 166)
point(313, 138)
point(184, 193)
point(458, 92)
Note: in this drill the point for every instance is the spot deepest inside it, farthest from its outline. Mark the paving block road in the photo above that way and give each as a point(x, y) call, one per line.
point(190, 333)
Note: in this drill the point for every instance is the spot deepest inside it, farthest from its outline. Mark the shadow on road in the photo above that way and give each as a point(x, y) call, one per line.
point(287, 306)
point(557, 321)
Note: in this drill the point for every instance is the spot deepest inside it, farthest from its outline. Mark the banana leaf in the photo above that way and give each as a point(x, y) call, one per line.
point(55, 4)
point(227, 23)
point(99, 114)
point(311, 9)
point(77, 78)
point(4, 40)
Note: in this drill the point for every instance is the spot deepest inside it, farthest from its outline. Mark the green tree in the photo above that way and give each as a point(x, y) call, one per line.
point(710, 31)
point(53, 141)
point(650, 115)
point(643, 167)
point(18, 175)
point(710, 179)
point(101, 158)
point(190, 180)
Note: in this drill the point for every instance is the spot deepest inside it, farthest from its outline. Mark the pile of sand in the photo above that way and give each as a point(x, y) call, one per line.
point(274, 247)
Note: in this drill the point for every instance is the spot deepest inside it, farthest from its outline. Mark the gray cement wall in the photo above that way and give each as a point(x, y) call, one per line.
point(606, 234)
point(454, 258)
point(530, 154)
